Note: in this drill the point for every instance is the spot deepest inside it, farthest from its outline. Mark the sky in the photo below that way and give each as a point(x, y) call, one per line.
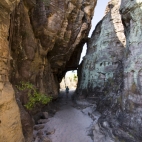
point(98, 15)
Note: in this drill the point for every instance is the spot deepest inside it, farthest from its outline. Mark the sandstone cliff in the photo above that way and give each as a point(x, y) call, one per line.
point(10, 124)
point(111, 73)
point(40, 41)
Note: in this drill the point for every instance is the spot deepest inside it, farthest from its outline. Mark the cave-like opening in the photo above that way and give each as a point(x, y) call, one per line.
point(70, 79)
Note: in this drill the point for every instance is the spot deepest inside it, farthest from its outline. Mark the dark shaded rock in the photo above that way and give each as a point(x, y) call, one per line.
point(45, 114)
point(50, 131)
point(46, 139)
point(27, 123)
point(38, 116)
point(42, 139)
point(37, 139)
point(38, 127)
point(40, 134)
point(42, 121)
point(124, 136)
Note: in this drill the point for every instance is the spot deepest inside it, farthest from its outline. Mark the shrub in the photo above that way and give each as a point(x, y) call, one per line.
point(34, 96)
point(75, 77)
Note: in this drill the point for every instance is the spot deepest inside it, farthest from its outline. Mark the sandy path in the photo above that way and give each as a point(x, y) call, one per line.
point(70, 124)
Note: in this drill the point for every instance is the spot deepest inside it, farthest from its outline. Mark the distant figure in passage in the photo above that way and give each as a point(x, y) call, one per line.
point(67, 91)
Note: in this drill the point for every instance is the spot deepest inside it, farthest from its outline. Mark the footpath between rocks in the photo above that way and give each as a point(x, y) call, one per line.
point(71, 123)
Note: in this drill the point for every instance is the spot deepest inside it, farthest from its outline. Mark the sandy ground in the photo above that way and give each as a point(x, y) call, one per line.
point(69, 123)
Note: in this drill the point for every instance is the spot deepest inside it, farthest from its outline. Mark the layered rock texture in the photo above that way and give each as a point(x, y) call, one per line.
point(40, 41)
point(47, 39)
point(132, 95)
point(111, 73)
point(105, 53)
point(10, 124)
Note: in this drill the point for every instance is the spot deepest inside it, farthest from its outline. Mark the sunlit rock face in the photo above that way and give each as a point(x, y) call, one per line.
point(10, 124)
point(46, 40)
point(111, 72)
point(102, 68)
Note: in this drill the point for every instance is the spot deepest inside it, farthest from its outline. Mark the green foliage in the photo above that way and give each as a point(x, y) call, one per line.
point(75, 77)
point(34, 96)
point(24, 86)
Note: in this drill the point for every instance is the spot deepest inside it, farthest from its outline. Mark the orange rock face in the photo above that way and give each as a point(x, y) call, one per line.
point(10, 123)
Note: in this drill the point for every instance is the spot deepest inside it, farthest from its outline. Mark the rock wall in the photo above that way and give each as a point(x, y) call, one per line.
point(47, 39)
point(40, 41)
point(111, 73)
point(105, 53)
point(132, 95)
point(10, 123)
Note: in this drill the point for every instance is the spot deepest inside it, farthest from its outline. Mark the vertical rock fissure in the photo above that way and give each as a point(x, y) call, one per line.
point(9, 111)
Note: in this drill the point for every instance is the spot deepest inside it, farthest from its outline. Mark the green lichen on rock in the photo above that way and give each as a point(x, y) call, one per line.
point(103, 63)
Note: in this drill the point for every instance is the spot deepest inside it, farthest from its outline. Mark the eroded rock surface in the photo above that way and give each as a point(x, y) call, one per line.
point(131, 102)
point(111, 73)
point(10, 124)
point(102, 68)
point(47, 40)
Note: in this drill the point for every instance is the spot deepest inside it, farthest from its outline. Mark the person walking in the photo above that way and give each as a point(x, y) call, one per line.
point(67, 91)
